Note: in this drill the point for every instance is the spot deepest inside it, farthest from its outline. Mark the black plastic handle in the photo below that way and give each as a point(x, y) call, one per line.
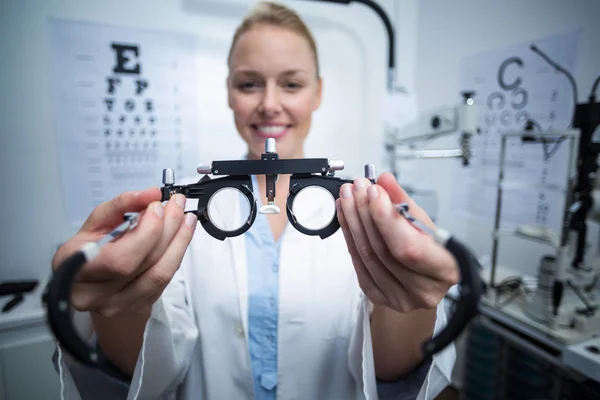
point(57, 299)
point(467, 304)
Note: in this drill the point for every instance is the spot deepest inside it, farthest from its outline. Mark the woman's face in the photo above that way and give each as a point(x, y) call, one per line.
point(273, 89)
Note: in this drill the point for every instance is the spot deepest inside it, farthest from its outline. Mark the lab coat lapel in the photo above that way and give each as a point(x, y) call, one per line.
point(229, 212)
point(296, 272)
point(295, 258)
point(238, 248)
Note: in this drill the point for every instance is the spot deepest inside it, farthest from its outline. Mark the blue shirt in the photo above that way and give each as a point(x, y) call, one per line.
point(262, 254)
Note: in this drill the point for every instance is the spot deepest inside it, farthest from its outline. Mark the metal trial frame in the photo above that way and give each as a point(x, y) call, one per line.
point(535, 137)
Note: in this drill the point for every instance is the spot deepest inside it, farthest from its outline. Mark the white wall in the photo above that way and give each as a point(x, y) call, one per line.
point(352, 46)
point(449, 31)
point(432, 38)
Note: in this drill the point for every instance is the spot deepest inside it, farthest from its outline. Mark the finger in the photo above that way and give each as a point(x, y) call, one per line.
point(174, 217)
point(423, 291)
point(397, 195)
point(362, 191)
point(384, 266)
point(389, 286)
point(110, 213)
point(93, 295)
point(97, 294)
point(121, 259)
point(365, 280)
point(105, 218)
point(148, 287)
point(413, 248)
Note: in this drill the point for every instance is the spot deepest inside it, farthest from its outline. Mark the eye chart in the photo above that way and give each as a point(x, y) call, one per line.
point(512, 86)
point(124, 105)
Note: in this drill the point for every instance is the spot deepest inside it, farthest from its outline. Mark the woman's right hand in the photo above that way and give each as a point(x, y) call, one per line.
point(130, 274)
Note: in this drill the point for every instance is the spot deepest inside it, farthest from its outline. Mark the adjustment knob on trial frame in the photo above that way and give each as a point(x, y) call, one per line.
point(204, 169)
point(336, 165)
point(370, 173)
point(270, 146)
point(168, 177)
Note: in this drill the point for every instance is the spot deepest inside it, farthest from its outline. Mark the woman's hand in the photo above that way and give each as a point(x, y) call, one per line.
point(397, 265)
point(130, 274)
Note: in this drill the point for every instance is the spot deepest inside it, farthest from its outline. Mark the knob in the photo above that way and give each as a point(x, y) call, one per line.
point(336, 165)
point(204, 168)
point(370, 173)
point(168, 177)
point(270, 145)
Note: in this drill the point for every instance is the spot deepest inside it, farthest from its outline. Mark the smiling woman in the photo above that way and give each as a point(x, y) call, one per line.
point(274, 84)
point(273, 314)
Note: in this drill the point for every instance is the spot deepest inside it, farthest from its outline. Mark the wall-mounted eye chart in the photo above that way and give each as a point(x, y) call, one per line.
point(511, 86)
point(124, 108)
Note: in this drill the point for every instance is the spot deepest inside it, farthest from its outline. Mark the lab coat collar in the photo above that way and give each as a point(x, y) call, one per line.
point(230, 206)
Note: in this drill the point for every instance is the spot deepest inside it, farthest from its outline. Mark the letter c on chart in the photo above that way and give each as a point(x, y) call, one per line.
point(501, 71)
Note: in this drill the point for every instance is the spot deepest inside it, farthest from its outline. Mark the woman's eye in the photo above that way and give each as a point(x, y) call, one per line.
point(292, 85)
point(247, 85)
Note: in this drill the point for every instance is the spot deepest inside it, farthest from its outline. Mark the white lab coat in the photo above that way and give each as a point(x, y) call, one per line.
point(196, 344)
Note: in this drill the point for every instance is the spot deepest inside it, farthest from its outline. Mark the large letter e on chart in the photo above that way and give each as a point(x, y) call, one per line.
point(126, 55)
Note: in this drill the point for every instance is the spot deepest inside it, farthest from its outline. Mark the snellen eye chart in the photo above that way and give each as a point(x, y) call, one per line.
point(124, 104)
point(511, 86)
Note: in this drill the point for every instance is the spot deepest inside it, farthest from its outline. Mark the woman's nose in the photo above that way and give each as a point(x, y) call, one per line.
point(271, 103)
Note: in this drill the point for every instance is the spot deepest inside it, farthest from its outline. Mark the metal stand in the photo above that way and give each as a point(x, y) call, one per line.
point(573, 137)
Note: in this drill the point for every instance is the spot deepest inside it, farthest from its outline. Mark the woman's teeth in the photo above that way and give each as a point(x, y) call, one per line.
point(271, 130)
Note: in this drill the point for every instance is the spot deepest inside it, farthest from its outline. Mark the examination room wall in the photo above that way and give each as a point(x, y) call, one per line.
point(348, 126)
point(33, 213)
point(447, 32)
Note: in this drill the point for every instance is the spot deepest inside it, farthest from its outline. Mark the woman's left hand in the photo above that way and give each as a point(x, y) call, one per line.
point(397, 265)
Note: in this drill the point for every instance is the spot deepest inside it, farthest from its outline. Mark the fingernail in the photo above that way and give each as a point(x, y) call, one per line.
point(346, 191)
point(372, 193)
point(190, 219)
point(358, 184)
point(159, 210)
point(180, 200)
point(140, 192)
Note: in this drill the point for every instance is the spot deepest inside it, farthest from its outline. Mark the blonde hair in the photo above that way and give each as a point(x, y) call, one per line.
point(271, 13)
